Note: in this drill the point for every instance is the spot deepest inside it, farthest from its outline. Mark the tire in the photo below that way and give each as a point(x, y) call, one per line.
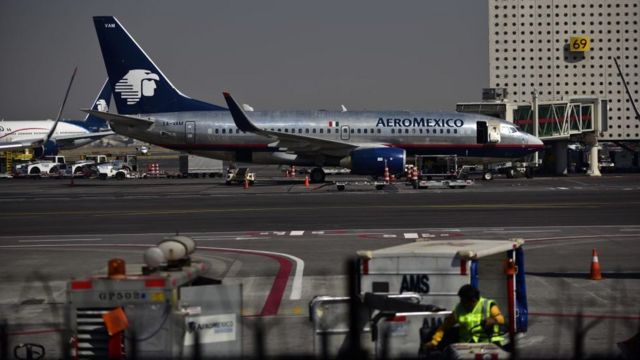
point(317, 175)
point(488, 176)
point(511, 173)
point(120, 175)
point(379, 187)
point(529, 173)
point(102, 176)
point(340, 187)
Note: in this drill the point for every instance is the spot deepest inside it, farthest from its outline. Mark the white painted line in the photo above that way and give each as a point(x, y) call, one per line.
point(317, 232)
point(410, 235)
point(389, 235)
point(296, 285)
point(427, 235)
point(297, 232)
point(227, 238)
point(630, 229)
point(57, 240)
point(281, 233)
point(520, 231)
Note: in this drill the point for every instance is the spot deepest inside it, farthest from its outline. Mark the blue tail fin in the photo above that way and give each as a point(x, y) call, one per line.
point(94, 123)
point(139, 87)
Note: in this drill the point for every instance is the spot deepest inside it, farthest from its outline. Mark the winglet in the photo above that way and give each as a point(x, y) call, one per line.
point(239, 117)
point(66, 95)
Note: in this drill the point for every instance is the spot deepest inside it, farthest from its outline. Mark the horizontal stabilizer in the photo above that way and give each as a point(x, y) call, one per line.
point(125, 120)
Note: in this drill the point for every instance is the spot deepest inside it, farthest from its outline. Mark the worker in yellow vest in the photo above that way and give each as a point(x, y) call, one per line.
point(479, 320)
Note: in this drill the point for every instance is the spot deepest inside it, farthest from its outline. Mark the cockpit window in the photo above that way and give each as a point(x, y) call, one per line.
point(508, 129)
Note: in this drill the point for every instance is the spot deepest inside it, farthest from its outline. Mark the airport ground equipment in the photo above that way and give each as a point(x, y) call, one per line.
point(125, 167)
point(9, 159)
point(117, 169)
point(157, 313)
point(239, 175)
point(376, 318)
point(437, 269)
point(49, 166)
point(198, 166)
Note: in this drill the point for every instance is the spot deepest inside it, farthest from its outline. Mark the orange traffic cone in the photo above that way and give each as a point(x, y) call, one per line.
point(306, 181)
point(246, 184)
point(595, 267)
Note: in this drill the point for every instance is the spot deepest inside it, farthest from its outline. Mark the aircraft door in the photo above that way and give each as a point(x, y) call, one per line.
point(482, 135)
point(190, 131)
point(345, 133)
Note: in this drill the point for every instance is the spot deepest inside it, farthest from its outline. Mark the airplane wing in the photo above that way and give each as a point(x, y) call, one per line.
point(20, 145)
point(296, 143)
point(126, 120)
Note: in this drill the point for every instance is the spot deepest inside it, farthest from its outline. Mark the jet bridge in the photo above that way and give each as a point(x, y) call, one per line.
point(558, 122)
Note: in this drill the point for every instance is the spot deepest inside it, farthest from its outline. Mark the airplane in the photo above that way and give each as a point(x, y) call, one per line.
point(67, 134)
point(151, 109)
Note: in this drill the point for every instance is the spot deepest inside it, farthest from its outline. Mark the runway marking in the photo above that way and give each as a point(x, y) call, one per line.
point(296, 288)
point(296, 233)
point(587, 316)
point(520, 231)
point(277, 290)
point(523, 206)
point(574, 237)
point(56, 240)
point(410, 235)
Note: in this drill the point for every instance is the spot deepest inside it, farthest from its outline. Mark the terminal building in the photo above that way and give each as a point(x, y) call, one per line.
point(563, 51)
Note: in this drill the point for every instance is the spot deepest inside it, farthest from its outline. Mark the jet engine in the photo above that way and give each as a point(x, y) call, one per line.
point(50, 148)
point(371, 161)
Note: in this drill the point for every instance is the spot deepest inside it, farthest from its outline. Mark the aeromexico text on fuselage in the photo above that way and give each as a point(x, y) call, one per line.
point(420, 122)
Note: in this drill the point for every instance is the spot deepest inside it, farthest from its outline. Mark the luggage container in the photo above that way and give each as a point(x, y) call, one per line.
point(437, 269)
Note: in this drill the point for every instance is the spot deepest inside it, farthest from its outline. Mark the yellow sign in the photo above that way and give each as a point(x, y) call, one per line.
point(157, 297)
point(579, 44)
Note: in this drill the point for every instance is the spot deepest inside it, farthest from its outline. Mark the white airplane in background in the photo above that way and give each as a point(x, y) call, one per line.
point(16, 135)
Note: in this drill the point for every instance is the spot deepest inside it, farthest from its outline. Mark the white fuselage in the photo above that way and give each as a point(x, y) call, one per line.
point(34, 130)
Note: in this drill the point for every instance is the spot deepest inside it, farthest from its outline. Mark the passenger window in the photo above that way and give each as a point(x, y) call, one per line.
point(224, 131)
point(406, 131)
point(379, 132)
point(455, 131)
point(336, 131)
point(413, 131)
point(393, 131)
point(358, 131)
point(216, 131)
point(321, 131)
point(352, 131)
point(299, 131)
point(448, 131)
point(313, 131)
point(441, 131)
point(286, 130)
point(365, 131)
point(306, 131)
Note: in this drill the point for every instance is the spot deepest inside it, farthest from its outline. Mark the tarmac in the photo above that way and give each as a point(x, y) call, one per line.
point(53, 231)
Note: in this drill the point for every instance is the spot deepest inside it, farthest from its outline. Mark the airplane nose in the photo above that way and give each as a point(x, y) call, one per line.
point(532, 140)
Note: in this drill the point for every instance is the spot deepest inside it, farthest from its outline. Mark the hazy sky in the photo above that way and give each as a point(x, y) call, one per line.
point(295, 54)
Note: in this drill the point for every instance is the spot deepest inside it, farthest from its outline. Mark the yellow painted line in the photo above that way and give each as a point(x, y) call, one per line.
point(258, 209)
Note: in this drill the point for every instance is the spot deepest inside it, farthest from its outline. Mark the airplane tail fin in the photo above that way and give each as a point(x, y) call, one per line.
point(139, 87)
point(101, 103)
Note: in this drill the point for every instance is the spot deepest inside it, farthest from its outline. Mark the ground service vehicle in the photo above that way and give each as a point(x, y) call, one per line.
point(196, 166)
point(238, 176)
point(48, 166)
point(118, 169)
